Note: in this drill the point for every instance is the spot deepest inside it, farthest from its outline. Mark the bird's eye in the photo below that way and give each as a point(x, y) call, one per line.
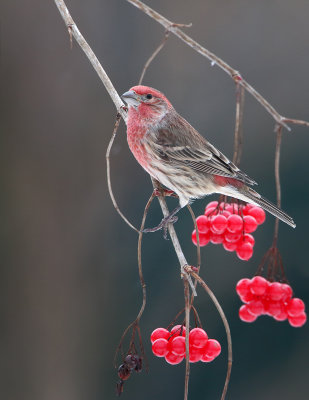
point(148, 96)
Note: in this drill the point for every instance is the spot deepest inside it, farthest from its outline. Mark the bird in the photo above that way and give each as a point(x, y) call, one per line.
point(180, 158)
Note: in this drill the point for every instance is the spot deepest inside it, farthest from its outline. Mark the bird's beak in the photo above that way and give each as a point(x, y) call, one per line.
point(131, 98)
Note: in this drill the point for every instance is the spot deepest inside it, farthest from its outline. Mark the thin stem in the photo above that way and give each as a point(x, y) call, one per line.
point(187, 319)
point(296, 121)
point(74, 31)
point(181, 257)
point(109, 184)
point(238, 133)
point(225, 323)
point(215, 60)
point(143, 285)
point(153, 56)
point(277, 178)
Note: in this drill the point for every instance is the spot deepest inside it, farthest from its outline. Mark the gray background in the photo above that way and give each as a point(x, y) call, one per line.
point(69, 283)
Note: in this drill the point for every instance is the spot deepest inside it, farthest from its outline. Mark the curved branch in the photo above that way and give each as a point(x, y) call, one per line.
point(109, 184)
point(215, 60)
point(225, 323)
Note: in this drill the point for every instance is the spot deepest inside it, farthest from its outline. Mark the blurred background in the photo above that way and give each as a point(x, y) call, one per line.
point(69, 281)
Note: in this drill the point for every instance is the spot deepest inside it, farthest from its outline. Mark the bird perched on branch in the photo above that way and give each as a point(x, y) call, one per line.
point(175, 154)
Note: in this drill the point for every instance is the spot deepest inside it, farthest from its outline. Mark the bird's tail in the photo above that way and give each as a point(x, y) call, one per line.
point(268, 206)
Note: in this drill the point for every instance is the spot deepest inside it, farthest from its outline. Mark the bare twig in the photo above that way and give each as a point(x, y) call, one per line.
point(143, 285)
point(278, 130)
point(215, 60)
point(187, 319)
point(181, 257)
point(238, 134)
point(153, 55)
point(225, 323)
point(296, 121)
point(73, 30)
point(109, 175)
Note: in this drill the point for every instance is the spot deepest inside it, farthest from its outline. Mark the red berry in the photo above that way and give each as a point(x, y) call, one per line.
point(275, 291)
point(287, 292)
point(232, 208)
point(258, 285)
point(256, 307)
point(212, 204)
point(228, 246)
point(258, 213)
point(245, 315)
point(195, 354)
point(202, 223)
point(160, 347)
point(273, 308)
point(226, 213)
point(246, 298)
point(282, 316)
point(173, 359)
point(178, 346)
point(247, 208)
point(216, 238)
point(209, 212)
point(219, 223)
point(206, 358)
point(247, 238)
point(243, 286)
point(212, 348)
point(178, 330)
point(234, 223)
point(244, 251)
point(295, 307)
point(198, 337)
point(203, 237)
point(250, 224)
point(298, 320)
point(232, 237)
point(159, 333)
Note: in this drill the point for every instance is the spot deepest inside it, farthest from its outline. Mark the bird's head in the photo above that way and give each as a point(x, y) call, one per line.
point(146, 101)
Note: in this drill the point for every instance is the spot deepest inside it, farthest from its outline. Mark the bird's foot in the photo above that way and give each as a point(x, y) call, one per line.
point(170, 219)
point(164, 192)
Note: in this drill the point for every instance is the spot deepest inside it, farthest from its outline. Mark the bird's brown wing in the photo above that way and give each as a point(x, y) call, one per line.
point(181, 143)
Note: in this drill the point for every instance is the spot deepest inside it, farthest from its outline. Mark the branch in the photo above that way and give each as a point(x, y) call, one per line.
point(278, 130)
point(73, 30)
point(225, 323)
point(181, 257)
point(233, 73)
point(109, 184)
point(187, 321)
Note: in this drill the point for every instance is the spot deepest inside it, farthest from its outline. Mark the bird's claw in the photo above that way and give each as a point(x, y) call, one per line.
point(170, 219)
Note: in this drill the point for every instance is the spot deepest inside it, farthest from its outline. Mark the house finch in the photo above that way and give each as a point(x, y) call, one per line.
point(175, 154)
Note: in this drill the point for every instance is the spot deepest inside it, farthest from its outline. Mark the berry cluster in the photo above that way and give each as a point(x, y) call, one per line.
point(230, 225)
point(275, 299)
point(172, 345)
point(132, 362)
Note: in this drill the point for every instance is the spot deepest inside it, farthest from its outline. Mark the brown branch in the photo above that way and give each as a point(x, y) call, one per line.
point(143, 285)
point(296, 121)
point(238, 133)
point(74, 31)
point(215, 60)
point(109, 184)
point(278, 130)
point(181, 257)
point(225, 323)
point(187, 321)
point(153, 56)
